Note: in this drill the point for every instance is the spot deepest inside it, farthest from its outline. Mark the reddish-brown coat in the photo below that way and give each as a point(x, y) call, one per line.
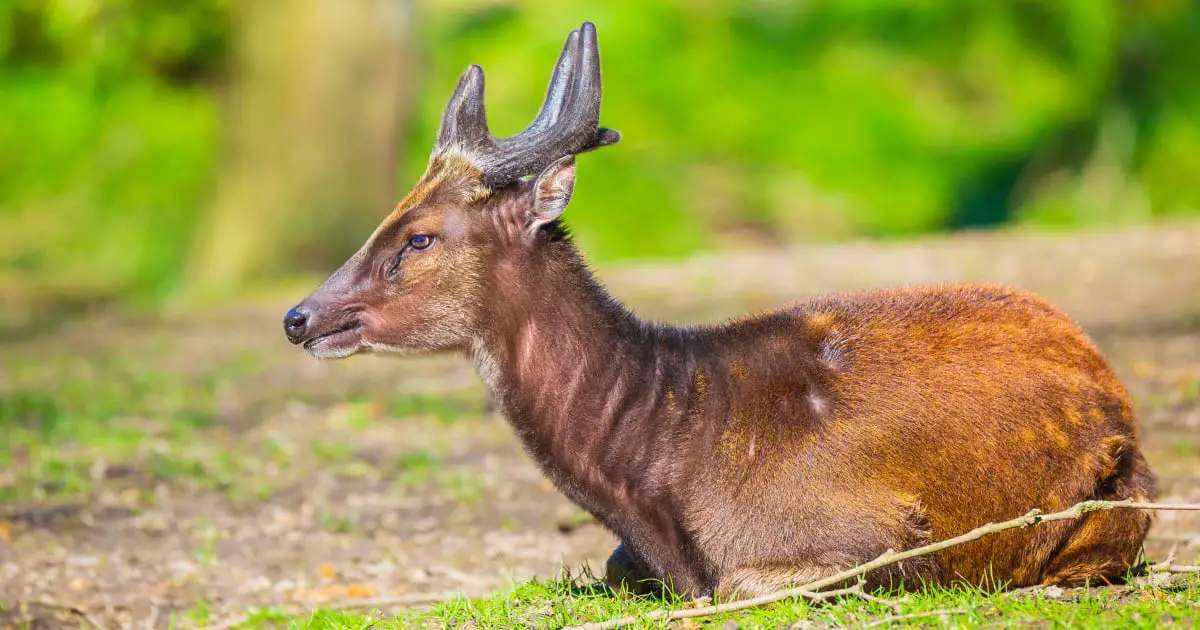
point(780, 447)
point(763, 452)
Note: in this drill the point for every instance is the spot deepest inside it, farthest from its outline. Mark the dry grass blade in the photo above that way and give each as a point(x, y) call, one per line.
point(1034, 517)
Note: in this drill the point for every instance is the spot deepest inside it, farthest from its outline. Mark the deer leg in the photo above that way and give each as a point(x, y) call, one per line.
point(623, 573)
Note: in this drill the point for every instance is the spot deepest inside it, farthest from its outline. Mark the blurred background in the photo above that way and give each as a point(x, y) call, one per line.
point(175, 174)
point(153, 147)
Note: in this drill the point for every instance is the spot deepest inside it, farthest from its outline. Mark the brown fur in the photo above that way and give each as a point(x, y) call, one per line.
point(776, 448)
point(767, 451)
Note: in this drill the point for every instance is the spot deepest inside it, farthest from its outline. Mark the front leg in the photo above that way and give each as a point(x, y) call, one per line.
point(624, 574)
point(655, 564)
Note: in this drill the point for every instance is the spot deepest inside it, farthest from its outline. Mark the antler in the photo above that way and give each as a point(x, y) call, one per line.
point(567, 123)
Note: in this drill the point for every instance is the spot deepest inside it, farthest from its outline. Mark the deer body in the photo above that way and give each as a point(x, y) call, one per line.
point(769, 451)
point(786, 446)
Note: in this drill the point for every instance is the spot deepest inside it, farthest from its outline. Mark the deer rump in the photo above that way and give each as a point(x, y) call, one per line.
point(769, 451)
point(830, 432)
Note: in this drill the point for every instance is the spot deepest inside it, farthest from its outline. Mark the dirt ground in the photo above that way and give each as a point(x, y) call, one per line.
point(308, 482)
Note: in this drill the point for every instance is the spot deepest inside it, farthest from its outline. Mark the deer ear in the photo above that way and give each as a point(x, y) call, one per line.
point(551, 194)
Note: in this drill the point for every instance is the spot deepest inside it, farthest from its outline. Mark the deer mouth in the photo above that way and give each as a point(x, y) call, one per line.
point(338, 343)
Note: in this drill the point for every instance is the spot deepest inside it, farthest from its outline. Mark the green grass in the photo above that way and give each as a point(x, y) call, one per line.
point(416, 467)
point(561, 602)
point(463, 486)
point(83, 448)
point(71, 426)
point(331, 522)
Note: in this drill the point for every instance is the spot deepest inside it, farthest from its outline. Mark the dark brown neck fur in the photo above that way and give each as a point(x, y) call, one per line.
point(563, 357)
point(599, 398)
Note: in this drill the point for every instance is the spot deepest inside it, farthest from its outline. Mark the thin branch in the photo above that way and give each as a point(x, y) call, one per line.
point(1180, 568)
point(824, 595)
point(865, 596)
point(78, 611)
point(890, 557)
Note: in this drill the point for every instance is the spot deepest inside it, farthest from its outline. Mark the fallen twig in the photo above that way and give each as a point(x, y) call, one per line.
point(865, 596)
point(78, 611)
point(821, 596)
point(1033, 517)
point(412, 599)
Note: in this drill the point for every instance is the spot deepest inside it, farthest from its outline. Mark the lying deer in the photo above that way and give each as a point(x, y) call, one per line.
point(747, 456)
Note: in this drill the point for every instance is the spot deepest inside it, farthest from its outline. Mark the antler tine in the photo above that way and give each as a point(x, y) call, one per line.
point(586, 106)
point(464, 122)
point(560, 83)
point(574, 128)
point(582, 109)
point(565, 125)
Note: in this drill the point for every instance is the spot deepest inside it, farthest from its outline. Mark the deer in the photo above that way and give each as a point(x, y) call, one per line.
point(738, 458)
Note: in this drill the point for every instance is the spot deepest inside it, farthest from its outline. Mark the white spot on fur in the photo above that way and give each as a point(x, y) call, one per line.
point(818, 404)
point(833, 350)
point(750, 451)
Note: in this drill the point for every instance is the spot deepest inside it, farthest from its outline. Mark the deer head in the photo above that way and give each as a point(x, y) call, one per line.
point(422, 280)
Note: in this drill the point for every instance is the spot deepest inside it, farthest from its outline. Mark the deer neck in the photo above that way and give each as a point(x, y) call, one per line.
point(585, 384)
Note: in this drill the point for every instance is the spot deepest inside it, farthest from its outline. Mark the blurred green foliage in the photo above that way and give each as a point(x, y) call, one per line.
point(745, 123)
point(109, 138)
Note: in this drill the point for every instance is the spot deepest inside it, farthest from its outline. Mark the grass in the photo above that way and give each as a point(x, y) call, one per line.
point(463, 486)
point(72, 427)
point(207, 539)
point(331, 522)
point(86, 451)
point(566, 601)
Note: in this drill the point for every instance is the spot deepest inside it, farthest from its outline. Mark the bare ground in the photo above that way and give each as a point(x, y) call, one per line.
point(294, 481)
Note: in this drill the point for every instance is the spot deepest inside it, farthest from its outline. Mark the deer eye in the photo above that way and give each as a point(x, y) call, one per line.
point(416, 242)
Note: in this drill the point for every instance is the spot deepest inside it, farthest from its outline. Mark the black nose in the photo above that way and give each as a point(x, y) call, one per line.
point(295, 324)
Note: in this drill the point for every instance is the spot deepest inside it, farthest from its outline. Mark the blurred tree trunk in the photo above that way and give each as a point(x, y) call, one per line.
point(319, 95)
